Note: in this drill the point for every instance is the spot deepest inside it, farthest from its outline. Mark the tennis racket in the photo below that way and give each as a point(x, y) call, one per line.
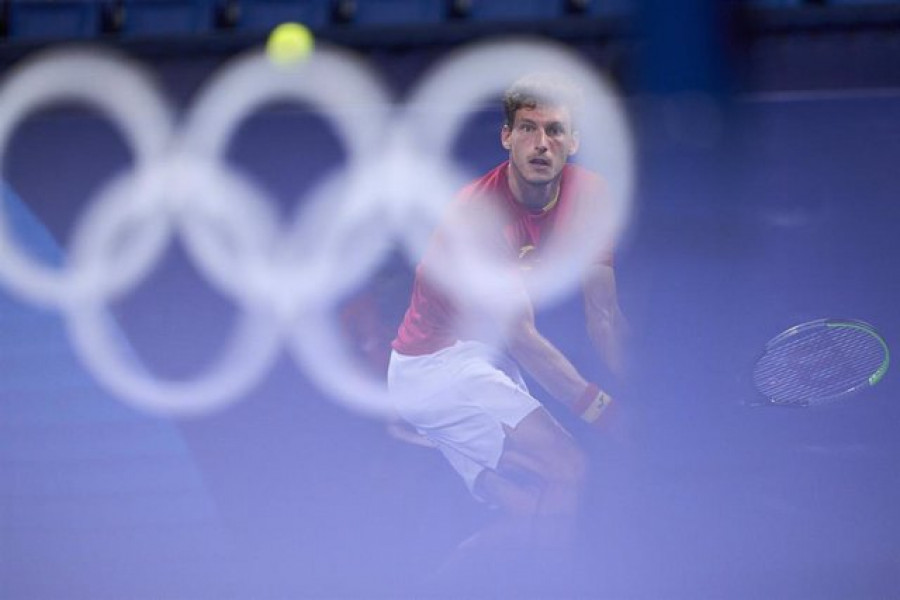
point(820, 362)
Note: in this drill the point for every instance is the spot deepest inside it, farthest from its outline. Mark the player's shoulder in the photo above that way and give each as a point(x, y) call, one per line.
point(583, 179)
point(486, 185)
point(583, 190)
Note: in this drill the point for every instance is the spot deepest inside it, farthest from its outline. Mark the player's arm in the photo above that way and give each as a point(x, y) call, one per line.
point(550, 367)
point(606, 325)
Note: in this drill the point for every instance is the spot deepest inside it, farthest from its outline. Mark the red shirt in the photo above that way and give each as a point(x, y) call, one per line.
point(430, 321)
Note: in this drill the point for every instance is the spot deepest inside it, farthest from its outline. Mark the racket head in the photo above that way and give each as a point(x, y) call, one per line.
point(820, 362)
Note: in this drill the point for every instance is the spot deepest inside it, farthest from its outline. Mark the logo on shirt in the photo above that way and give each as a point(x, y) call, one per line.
point(527, 258)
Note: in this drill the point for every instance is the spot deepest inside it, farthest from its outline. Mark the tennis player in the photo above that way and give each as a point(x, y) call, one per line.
point(464, 391)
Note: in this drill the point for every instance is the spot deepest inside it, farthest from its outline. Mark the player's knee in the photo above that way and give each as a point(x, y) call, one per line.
point(512, 496)
point(568, 466)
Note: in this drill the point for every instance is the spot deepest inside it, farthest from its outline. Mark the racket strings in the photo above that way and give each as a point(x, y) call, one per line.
point(819, 365)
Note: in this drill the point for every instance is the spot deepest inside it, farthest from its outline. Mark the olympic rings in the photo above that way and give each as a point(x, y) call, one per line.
point(139, 112)
point(286, 278)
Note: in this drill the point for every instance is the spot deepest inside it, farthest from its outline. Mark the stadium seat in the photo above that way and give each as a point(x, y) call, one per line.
point(59, 20)
point(863, 2)
point(399, 12)
point(774, 3)
point(265, 14)
point(516, 10)
point(166, 17)
point(611, 8)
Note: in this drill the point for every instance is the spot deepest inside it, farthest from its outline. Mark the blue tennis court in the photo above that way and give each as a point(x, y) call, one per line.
point(753, 212)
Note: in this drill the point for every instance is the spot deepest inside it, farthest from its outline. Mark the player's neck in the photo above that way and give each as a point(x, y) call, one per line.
point(534, 197)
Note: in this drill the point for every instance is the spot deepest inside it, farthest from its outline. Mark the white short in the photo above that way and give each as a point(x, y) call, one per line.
point(460, 398)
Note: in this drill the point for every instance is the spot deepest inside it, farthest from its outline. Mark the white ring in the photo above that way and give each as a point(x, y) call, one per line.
point(134, 106)
point(287, 281)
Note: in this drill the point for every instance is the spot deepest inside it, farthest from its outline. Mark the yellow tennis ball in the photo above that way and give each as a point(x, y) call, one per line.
point(289, 43)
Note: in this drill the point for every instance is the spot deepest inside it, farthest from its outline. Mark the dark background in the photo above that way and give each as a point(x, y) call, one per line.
point(766, 137)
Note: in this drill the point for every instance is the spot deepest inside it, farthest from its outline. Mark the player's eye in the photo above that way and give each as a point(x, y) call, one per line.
point(555, 130)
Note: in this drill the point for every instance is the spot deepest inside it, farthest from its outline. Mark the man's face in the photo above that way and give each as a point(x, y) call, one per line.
point(540, 142)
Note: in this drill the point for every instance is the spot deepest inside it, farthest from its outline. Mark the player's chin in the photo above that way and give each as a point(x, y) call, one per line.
point(541, 176)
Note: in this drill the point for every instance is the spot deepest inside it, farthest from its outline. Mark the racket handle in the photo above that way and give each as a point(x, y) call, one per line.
point(592, 404)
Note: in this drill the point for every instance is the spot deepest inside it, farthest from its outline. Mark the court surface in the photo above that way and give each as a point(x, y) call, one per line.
point(749, 217)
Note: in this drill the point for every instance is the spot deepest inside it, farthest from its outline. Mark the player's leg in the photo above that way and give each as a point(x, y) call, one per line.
point(507, 448)
point(537, 487)
point(540, 475)
point(473, 404)
point(541, 450)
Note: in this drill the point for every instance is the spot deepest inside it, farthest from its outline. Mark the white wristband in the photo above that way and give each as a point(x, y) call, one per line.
point(596, 407)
